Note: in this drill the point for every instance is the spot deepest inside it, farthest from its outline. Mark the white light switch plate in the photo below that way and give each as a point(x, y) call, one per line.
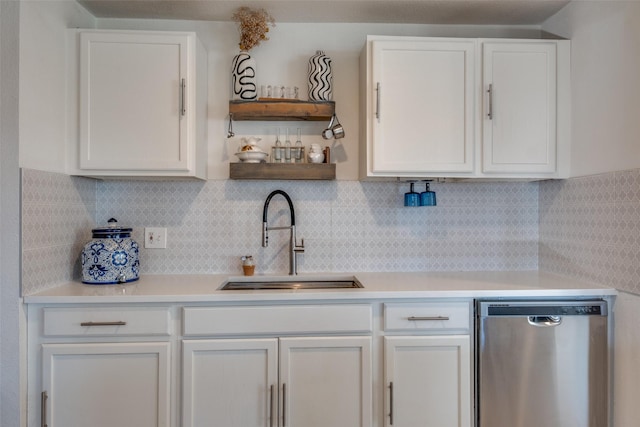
point(155, 238)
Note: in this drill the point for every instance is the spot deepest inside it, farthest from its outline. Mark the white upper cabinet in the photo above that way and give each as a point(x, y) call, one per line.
point(420, 110)
point(464, 108)
point(142, 104)
point(519, 123)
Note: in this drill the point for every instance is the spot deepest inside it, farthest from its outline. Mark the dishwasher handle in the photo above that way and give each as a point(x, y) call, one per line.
point(544, 321)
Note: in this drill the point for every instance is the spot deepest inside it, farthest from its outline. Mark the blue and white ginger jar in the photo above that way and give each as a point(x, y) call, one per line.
point(111, 257)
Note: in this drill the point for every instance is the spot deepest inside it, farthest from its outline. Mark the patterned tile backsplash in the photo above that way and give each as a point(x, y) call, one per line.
point(590, 228)
point(58, 213)
point(346, 225)
point(583, 227)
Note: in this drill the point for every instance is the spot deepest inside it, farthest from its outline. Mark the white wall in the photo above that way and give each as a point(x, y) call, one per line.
point(10, 312)
point(605, 36)
point(626, 377)
point(43, 80)
point(605, 40)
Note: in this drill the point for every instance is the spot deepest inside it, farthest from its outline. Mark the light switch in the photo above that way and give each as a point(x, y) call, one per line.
point(155, 238)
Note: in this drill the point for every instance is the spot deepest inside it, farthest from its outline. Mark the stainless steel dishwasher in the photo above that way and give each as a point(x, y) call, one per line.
point(542, 363)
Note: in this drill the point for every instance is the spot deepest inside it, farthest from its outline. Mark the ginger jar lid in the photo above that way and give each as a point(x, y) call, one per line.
point(111, 231)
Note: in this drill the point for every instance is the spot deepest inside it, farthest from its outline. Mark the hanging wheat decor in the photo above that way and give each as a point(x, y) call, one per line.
point(253, 25)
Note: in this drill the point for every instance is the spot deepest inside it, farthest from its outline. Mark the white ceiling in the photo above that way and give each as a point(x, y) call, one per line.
point(469, 12)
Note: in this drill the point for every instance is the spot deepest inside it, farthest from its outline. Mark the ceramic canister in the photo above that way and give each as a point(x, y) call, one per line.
point(320, 77)
point(243, 75)
point(111, 256)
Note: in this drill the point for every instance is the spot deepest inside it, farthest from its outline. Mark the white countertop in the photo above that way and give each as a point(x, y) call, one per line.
point(205, 288)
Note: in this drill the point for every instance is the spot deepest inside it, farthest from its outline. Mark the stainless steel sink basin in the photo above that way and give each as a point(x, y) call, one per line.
point(262, 283)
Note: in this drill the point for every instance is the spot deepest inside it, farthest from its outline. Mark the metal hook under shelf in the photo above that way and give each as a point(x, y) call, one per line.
point(230, 133)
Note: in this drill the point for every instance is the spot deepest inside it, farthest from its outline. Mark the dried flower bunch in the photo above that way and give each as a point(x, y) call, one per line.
point(253, 25)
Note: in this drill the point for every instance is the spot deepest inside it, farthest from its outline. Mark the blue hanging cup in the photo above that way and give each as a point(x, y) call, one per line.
point(411, 198)
point(428, 197)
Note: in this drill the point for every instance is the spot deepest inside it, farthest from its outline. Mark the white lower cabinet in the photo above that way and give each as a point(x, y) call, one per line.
point(338, 364)
point(100, 366)
point(284, 366)
point(297, 382)
point(328, 381)
point(105, 384)
point(229, 382)
point(428, 380)
point(427, 364)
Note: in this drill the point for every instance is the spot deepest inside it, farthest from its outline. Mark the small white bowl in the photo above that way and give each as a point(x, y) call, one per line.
point(252, 156)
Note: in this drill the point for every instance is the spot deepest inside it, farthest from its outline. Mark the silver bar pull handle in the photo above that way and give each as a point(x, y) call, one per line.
point(490, 92)
point(378, 101)
point(544, 321)
point(391, 403)
point(414, 318)
point(271, 406)
point(284, 404)
point(43, 408)
point(183, 89)
point(116, 323)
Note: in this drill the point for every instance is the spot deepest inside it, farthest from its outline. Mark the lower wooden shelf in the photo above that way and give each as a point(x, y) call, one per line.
point(302, 171)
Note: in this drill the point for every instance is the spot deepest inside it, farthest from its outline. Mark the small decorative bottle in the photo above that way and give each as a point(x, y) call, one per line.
point(287, 148)
point(298, 149)
point(277, 151)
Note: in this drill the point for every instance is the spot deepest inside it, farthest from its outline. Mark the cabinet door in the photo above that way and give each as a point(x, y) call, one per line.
point(423, 105)
point(519, 119)
point(230, 382)
point(428, 381)
point(325, 381)
point(106, 385)
point(132, 100)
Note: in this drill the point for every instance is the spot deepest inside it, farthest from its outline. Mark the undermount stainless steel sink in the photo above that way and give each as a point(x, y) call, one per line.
point(262, 283)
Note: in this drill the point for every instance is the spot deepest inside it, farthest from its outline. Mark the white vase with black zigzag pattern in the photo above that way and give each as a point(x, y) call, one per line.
point(243, 75)
point(320, 84)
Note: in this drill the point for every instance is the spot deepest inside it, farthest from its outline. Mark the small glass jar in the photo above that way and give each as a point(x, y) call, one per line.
point(247, 265)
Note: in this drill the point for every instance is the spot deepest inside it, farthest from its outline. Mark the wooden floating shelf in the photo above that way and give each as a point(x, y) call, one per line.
point(295, 171)
point(282, 110)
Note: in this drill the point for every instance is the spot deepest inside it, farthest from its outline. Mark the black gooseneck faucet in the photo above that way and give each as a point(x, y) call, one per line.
point(294, 248)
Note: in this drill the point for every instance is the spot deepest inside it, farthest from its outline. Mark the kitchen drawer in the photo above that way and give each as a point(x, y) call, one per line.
point(427, 316)
point(278, 320)
point(104, 321)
